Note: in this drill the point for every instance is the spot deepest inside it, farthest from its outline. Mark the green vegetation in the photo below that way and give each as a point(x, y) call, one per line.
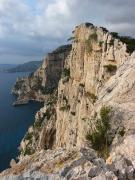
point(28, 136)
point(19, 84)
point(115, 34)
point(63, 48)
point(73, 113)
point(88, 46)
point(65, 108)
point(100, 43)
point(46, 116)
point(122, 132)
point(99, 138)
point(109, 90)
point(129, 41)
point(87, 24)
point(110, 68)
point(71, 39)
point(111, 42)
point(29, 151)
point(66, 73)
point(81, 85)
point(104, 29)
point(88, 42)
point(37, 83)
point(38, 123)
point(93, 36)
point(47, 90)
point(92, 96)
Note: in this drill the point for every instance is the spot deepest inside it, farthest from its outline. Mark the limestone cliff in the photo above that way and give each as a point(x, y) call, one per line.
point(92, 99)
point(39, 85)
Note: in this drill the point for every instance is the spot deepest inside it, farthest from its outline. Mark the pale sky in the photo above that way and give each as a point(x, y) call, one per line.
point(31, 28)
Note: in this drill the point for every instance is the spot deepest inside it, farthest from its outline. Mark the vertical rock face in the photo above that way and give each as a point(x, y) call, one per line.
point(52, 66)
point(80, 77)
point(75, 83)
point(41, 83)
point(94, 58)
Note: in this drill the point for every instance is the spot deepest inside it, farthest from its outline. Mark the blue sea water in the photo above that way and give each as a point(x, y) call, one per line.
point(14, 121)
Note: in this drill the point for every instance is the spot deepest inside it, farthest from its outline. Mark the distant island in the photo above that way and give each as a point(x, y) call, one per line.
point(26, 67)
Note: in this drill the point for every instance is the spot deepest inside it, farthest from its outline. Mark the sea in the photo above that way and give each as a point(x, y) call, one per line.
point(14, 120)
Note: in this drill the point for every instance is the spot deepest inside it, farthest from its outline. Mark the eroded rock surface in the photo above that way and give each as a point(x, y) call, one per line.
point(97, 72)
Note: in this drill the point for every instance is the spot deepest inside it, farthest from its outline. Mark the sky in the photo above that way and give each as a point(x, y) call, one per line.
point(29, 29)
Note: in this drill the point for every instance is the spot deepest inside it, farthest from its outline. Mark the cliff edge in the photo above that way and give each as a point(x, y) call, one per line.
point(86, 128)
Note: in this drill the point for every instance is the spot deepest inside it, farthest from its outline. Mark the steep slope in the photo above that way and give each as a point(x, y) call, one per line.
point(91, 106)
point(95, 57)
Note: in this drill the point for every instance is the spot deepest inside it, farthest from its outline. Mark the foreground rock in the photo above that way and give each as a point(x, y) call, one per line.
point(71, 164)
point(61, 164)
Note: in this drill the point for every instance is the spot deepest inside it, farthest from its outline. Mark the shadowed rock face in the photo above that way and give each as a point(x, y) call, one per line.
point(97, 72)
point(45, 79)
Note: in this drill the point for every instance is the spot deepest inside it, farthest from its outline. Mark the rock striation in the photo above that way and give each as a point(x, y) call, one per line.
point(89, 91)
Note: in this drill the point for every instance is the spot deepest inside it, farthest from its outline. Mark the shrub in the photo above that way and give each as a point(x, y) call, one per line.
point(110, 68)
point(92, 96)
point(104, 29)
point(87, 24)
point(109, 90)
point(63, 48)
point(65, 99)
point(99, 138)
point(88, 42)
point(129, 41)
point(73, 113)
point(71, 39)
point(111, 42)
point(46, 115)
point(122, 132)
point(115, 34)
point(81, 85)
point(29, 151)
point(88, 46)
point(104, 114)
point(65, 80)
point(38, 123)
point(93, 36)
point(100, 43)
point(64, 108)
point(66, 72)
point(28, 136)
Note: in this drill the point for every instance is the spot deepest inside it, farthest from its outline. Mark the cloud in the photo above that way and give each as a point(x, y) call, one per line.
point(31, 28)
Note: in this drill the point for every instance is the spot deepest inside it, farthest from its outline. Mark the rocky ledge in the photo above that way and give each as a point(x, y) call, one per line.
point(72, 164)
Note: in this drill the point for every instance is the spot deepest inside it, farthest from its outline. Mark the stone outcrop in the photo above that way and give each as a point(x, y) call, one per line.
point(95, 85)
point(39, 85)
point(61, 164)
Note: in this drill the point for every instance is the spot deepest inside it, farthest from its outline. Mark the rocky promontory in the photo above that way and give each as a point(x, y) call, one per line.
point(86, 128)
point(40, 84)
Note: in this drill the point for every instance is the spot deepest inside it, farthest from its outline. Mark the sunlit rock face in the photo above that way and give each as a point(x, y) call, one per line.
point(74, 83)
